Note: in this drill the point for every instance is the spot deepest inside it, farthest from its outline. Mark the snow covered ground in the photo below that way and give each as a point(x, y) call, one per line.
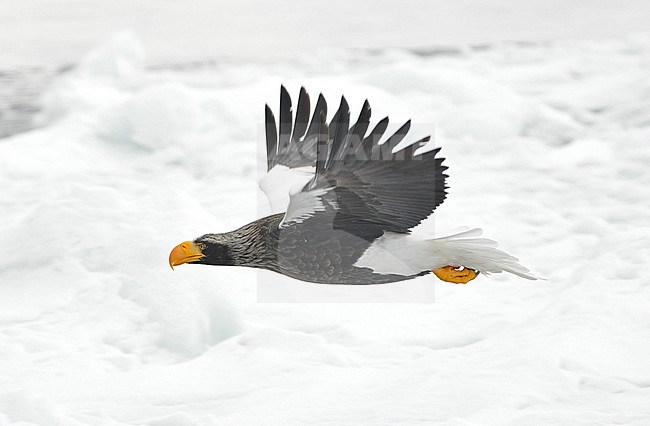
point(548, 150)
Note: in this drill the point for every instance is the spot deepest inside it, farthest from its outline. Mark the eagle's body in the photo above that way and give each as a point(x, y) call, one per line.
point(299, 252)
point(348, 200)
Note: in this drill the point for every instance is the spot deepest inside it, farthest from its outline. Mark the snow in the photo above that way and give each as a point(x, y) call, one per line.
point(195, 30)
point(548, 150)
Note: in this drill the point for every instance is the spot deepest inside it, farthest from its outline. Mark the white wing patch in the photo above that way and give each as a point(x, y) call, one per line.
point(303, 205)
point(394, 253)
point(278, 182)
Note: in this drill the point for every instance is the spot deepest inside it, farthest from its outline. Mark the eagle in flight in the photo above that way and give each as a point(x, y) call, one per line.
point(347, 201)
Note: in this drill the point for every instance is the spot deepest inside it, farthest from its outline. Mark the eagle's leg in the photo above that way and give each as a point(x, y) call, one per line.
point(456, 275)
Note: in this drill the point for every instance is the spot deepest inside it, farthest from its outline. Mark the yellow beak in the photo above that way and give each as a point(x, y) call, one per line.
point(184, 253)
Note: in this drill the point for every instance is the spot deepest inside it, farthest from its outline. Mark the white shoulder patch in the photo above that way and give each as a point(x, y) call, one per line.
point(278, 182)
point(303, 205)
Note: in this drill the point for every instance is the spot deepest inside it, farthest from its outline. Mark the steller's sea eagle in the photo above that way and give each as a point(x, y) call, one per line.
point(348, 204)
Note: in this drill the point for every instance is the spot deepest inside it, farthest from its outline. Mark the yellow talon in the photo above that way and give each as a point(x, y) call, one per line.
point(456, 275)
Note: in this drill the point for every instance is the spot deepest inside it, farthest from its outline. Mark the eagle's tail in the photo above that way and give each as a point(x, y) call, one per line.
point(467, 249)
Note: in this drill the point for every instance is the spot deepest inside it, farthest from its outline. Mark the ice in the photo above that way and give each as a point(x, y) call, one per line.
point(17, 408)
point(120, 57)
point(253, 30)
point(154, 118)
point(548, 153)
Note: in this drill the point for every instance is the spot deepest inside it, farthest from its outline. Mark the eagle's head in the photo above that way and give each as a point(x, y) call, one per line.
point(209, 249)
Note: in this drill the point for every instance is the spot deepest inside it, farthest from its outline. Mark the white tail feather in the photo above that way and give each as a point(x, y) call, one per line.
point(406, 254)
point(481, 254)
